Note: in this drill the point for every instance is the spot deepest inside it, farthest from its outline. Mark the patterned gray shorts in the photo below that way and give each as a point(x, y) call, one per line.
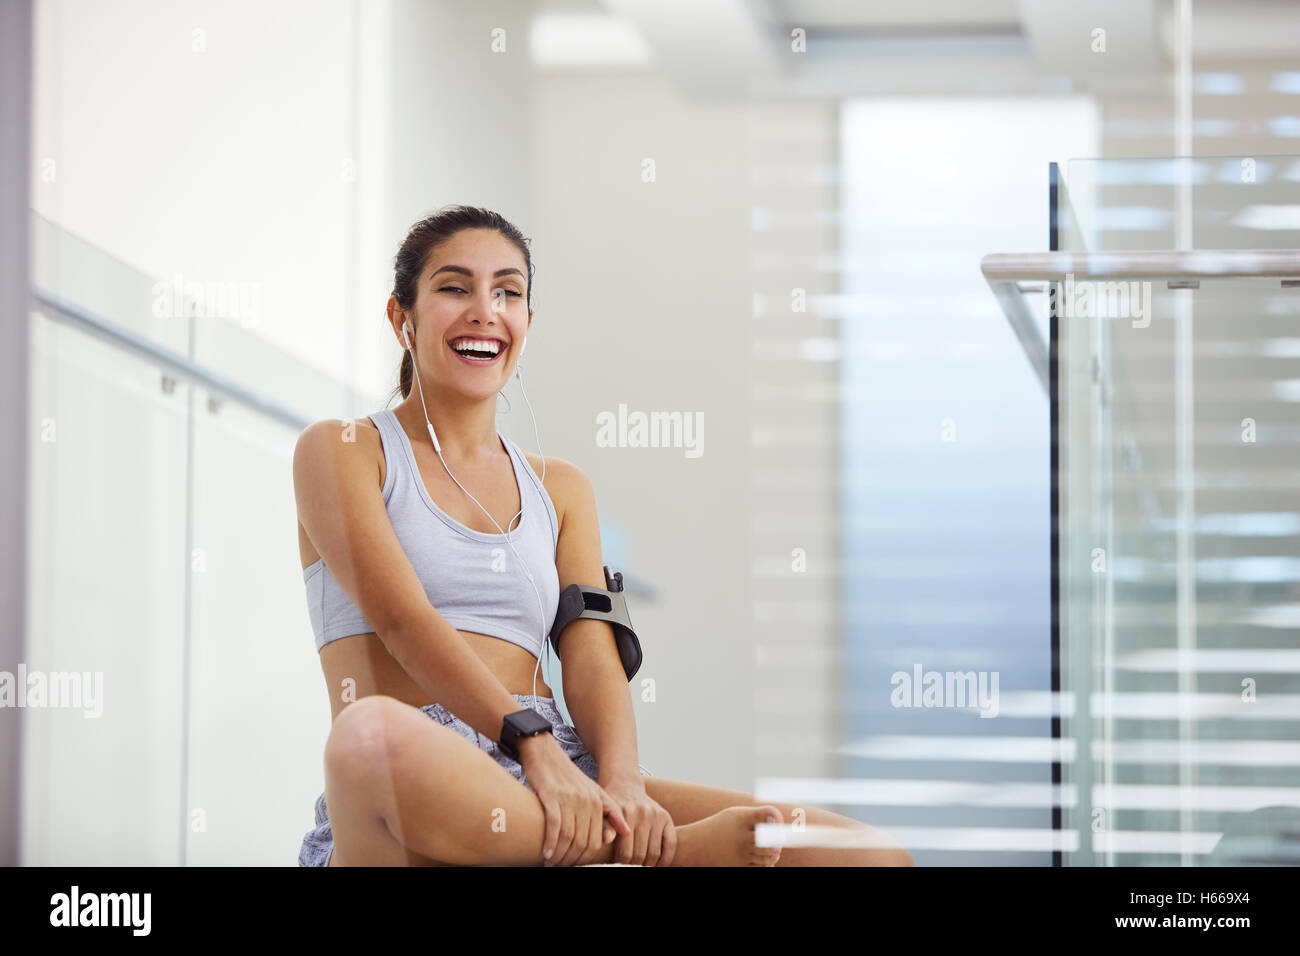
point(318, 844)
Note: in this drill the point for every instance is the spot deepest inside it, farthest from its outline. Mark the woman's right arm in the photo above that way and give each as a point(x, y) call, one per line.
point(342, 510)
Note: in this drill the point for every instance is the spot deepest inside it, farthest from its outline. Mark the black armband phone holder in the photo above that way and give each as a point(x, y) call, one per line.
point(599, 604)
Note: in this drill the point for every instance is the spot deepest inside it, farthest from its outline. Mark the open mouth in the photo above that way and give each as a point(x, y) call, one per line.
point(478, 351)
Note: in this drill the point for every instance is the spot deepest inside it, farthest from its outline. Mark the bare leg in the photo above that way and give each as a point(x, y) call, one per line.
point(403, 790)
point(687, 802)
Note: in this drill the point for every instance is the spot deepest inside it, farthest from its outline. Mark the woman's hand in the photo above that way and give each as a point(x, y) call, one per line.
point(653, 841)
point(575, 805)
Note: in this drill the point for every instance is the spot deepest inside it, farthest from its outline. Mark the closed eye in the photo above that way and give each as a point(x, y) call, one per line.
point(454, 288)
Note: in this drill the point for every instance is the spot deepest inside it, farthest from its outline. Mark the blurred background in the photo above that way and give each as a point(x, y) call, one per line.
point(773, 215)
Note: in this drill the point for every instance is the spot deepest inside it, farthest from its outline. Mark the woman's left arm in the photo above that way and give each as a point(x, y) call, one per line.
point(595, 684)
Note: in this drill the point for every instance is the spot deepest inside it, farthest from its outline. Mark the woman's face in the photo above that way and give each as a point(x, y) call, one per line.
point(474, 287)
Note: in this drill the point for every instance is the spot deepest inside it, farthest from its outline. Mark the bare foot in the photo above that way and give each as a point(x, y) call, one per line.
point(727, 839)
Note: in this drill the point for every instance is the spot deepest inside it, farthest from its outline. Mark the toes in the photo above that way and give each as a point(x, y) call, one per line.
point(770, 815)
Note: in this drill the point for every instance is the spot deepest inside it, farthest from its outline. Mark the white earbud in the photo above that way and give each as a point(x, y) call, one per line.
point(432, 435)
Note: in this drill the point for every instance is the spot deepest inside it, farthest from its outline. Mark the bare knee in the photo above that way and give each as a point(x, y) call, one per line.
point(361, 733)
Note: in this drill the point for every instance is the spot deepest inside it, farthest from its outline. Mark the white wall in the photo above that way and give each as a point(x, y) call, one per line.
point(644, 298)
point(228, 162)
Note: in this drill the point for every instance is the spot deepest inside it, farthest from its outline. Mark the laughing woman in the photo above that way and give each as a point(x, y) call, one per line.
point(430, 635)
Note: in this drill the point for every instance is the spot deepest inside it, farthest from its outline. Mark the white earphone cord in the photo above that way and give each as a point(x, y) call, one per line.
point(541, 613)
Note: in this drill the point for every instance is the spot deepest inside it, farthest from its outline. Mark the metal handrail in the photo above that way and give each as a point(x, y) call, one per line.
point(1143, 264)
point(68, 313)
point(1005, 270)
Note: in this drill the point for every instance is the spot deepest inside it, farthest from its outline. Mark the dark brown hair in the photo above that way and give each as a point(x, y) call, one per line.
point(420, 242)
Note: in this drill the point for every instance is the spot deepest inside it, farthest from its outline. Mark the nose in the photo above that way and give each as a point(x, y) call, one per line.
point(487, 308)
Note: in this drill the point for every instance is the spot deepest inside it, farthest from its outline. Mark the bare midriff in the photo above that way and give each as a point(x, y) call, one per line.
point(373, 670)
point(363, 659)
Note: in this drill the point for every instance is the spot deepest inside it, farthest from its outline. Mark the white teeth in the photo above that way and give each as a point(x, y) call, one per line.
point(477, 345)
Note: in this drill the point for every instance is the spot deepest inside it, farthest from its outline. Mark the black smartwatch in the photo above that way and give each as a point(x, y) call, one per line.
point(522, 723)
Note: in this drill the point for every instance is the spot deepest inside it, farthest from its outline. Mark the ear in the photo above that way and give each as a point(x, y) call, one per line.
point(397, 317)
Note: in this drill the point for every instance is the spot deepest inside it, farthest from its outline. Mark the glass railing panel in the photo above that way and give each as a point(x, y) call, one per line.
point(246, 357)
point(1236, 202)
point(75, 269)
point(258, 713)
point(106, 597)
point(1180, 559)
point(165, 564)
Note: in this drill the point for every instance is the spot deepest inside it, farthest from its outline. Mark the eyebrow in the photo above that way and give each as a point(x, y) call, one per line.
point(470, 272)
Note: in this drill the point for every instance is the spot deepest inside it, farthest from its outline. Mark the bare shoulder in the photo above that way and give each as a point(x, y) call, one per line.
point(351, 442)
point(565, 482)
point(345, 525)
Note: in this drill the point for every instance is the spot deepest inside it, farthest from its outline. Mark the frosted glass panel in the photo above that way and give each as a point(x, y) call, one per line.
point(258, 712)
point(165, 572)
point(1179, 549)
point(106, 594)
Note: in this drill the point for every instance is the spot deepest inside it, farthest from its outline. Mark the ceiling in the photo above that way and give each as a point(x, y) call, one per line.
point(738, 48)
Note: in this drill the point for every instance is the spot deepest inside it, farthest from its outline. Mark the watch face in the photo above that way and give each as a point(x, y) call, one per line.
point(528, 722)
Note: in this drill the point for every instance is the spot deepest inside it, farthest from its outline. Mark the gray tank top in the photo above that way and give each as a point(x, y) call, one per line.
point(471, 578)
